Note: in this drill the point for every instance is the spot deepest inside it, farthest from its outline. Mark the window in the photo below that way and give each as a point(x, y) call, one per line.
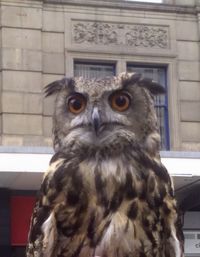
point(158, 74)
point(93, 70)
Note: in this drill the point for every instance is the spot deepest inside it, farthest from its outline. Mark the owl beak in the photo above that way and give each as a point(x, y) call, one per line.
point(96, 121)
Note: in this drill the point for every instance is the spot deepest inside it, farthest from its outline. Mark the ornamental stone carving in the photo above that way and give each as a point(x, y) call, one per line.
point(132, 35)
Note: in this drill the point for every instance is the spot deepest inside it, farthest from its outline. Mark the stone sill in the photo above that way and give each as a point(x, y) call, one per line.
point(49, 150)
point(123, 4)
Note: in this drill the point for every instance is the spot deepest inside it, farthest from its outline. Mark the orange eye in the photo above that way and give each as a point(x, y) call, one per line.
point(120, 101)
point(76, 103)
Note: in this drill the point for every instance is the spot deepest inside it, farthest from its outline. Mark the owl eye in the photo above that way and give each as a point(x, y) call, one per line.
point(120, 101)
point(76, 103)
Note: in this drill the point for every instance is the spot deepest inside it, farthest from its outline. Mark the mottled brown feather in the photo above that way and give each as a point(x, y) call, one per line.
point(106, 194)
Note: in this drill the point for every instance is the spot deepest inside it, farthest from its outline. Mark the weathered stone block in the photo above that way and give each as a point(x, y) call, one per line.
point(53, 21)
point(0, 81)
point(25, 17)
point(0, 35)
point(21, 59)
point(22, 81)
point(190, 90)
point(10, 140)
point(189, 70)
point(191, 146)
point(49, 105)
point(53, 42)
point(21, 38)
point(29, 140)
point(0, 123)
point(1, 53)
point(185, 2)
point(13, 102)
point(188, 51)
point(20, 124)
point(49, 78)
point(187, 30)
point(190, 131)
point(48, 141)
point(53, 63)
point(190, 111)
point(47, 126)
point(33, 103)
point(0, 93)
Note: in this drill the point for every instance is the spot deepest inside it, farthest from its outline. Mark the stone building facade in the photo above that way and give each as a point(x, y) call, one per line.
point(41, 40)
point(44, 40)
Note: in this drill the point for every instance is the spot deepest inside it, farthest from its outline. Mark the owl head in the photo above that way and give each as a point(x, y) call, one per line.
point(105, 112)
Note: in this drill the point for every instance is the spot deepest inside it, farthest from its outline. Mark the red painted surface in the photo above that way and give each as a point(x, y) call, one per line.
point(21, 211)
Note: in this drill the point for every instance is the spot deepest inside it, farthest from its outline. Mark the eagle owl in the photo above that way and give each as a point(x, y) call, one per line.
point(106, 192)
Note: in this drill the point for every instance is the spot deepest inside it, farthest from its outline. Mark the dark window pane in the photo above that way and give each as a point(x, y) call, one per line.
point(93, 70)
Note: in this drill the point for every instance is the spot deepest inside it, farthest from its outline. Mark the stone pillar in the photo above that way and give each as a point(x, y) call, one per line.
point(53, 60)
point(184, 2)
point(21, 37)
point(198, 15)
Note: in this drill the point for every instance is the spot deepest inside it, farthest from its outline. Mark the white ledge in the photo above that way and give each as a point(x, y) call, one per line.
point(23, 167)
point(24, 162)
point(36, 159)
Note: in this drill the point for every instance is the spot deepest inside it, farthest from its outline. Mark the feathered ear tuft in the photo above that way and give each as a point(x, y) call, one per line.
point(129, 79)
point(56, 86)
point(154, 87)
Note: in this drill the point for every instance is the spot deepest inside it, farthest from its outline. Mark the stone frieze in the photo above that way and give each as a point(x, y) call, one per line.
point(115, 34)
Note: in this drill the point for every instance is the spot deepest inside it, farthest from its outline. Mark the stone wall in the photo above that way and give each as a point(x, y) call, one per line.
point(41, 39)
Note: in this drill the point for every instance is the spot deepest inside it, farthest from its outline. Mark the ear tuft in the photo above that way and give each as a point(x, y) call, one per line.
point(56, 86)
point(130, 79)
point(52, 88)
point(154, 87)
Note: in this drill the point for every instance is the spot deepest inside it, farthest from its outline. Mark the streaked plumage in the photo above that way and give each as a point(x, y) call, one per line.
point(106, 192)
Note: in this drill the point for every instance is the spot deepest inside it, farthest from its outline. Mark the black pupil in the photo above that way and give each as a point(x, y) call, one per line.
point(76, 104)
point(120, 101)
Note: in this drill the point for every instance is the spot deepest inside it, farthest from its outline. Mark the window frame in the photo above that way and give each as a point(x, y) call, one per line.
point(121, 60)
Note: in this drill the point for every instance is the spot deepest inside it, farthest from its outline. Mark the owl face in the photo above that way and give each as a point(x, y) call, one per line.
point(98, 112)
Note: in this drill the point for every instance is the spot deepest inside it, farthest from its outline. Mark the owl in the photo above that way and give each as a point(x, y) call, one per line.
point(106, 192)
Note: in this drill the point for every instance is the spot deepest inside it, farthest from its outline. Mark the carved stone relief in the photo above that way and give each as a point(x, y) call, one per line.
point(108, 34)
